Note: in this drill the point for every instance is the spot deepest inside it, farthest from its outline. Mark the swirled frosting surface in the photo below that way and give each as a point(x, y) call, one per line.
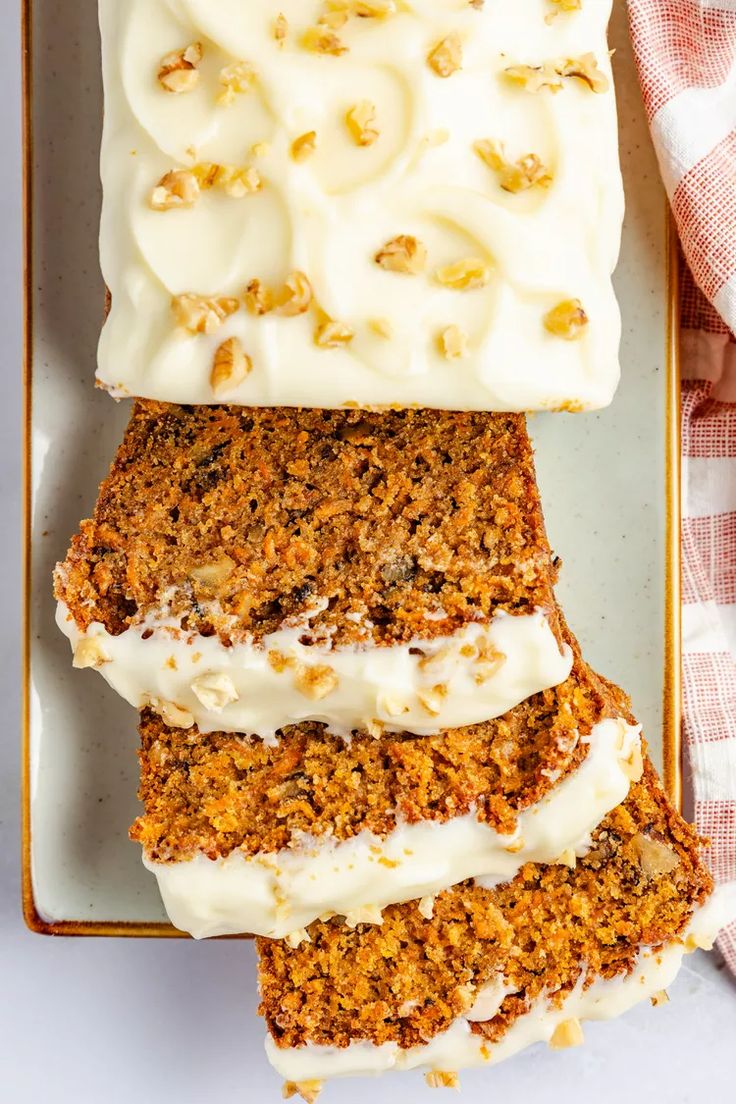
point(407, 167)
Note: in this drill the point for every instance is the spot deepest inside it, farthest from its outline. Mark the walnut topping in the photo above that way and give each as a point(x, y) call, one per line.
point(179, 71)
point(567, 858)
point(295, 297)
point(236, 79)
point(234, 181)
point(258, 298)
point(569, 1033)
point(199, 314)
point(562, 6)
point(331, 335)
point(213, 575)
point(230, 366)
point(654, 858)
point(431, 699)
point(214, 691)
point(360, 119)
point(659, 998)
point(453, 343)
point(316, 682)
point(464, 275)
point(304, 146)
point(307, 1090)
point(374, 9)
point(89, 653)
point(280, 28)
point(447, 56)
point(322, 40)
point(404, 253)
point(171, 714)
point(551, 74)
point(513, 176)
point(698, 941)
point(567, 320)
point(515, 847)
point(442, 1079)
point(177, 189)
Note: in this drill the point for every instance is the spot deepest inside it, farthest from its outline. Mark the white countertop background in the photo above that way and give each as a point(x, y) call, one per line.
point(136, 1021)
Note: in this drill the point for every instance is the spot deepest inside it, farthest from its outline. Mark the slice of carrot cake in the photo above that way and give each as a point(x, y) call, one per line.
point(247, 569)
point(478, 974)
point(343, 203)
point(249, 837)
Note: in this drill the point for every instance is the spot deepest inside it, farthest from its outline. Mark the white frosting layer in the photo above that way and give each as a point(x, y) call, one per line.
point(279, 893)
point(458, 1048)
point(330, 214)
point(238, 689)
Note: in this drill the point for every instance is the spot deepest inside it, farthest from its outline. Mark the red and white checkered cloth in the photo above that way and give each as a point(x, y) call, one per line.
point(686, 52)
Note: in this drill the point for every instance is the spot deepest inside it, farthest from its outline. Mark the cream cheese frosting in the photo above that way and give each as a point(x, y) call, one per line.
point(277, 894)
point(423, 686)
point(386, 125)
point(458, 1048)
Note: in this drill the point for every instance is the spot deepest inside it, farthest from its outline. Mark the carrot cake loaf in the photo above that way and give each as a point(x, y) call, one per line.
point(247, 837)
point(477, 974)
point(338, 202)
point(247, 569)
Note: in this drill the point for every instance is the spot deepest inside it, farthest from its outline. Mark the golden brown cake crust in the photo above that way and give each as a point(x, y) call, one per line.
point(215, 793)
point(408, 979)
point(241, 521)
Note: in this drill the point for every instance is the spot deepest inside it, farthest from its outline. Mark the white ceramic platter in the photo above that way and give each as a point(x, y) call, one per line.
point(607, 481)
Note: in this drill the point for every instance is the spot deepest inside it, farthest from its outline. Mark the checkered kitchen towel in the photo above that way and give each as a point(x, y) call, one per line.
point(686, 51)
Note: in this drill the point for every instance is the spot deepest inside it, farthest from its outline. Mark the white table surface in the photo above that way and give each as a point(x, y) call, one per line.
point(139, 1021)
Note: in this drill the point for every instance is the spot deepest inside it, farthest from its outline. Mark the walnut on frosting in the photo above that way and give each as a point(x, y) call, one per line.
point(201, 314)
point(333, 335)
point(230, 366)
point(175, 190)
point(567, 1034)
point(551, 74)
point(562, 6)
point(181, 187)
point(513, 176)
point(464, 275)
point(404, 253)
point(447, 56)
point(258, 298)
point(236, 79)
point(360, 119)
point(304, 146)
point(453, 343)
point(322, 40)
point(179, 70)
point(295, 297)
point(442, 1079)
point(280, 28)
point(567, 320)
point(307, 1090)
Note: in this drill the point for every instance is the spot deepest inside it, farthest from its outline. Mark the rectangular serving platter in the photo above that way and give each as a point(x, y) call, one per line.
point(609, 481)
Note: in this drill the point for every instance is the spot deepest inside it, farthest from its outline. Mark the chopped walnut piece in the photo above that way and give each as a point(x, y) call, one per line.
point(585, 68)
point(176, 190)
point(659, 998)
point(295, 297)
point(179, 71)
point(316, 682)
point(280, 28)
point(331, 335)
point(515, 847)
point(431, 699)
point(307, 1090)
point(567, 320)
point(199, 314)
point(447, 56)
point(214, 575)
point(562, 6)
point(655, 858)
point(374, 9)
point(258, 298)
point(404, 253)
point(453, 343)
point(335, 15)
point(234, 181)
point(236, 79)
point(322, 40)
point(359, 120)
point(230, 366)
point(215, 691)
point(171, 714)
point(464, 275)
point(442, 1079)
point(304, 146)
point(567, 858)
point(89, 653)
point(569, 1033)
point(552, 74)
point(513, 176)
point(633, 767)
